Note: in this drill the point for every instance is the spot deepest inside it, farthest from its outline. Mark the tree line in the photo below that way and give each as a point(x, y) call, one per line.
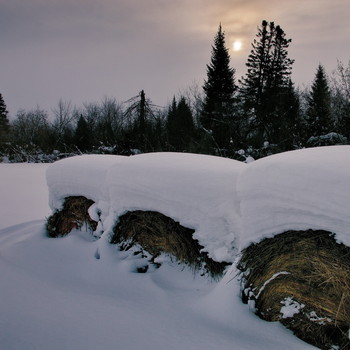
point(259, 114)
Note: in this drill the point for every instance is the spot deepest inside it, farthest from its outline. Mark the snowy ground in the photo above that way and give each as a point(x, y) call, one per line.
point(24, 194)
point(57, 294)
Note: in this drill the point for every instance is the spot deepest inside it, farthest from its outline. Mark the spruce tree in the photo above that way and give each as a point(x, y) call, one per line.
point(83, 135)
point(171, 126)
point(180, 126)
point(219, 91)
point(264, 87)
point(318, 114)
point(289, 127)
point(4, 122)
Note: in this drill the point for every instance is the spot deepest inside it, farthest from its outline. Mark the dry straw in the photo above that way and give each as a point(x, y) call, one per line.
point(157, 233)
point(153, 231)
point(310, 269)
point(73, 215)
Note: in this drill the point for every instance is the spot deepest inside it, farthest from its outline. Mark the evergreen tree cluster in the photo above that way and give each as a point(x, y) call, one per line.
point(4, 122)
point(261, 114)
point(180, 128)
point(264, 113)
point(267, 89)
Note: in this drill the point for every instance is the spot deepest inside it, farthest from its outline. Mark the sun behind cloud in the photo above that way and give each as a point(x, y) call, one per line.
point(237, 45)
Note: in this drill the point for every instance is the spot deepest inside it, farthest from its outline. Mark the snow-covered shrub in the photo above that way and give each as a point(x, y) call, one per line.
point(330, 139)
point(250, 153)
point(29, 153)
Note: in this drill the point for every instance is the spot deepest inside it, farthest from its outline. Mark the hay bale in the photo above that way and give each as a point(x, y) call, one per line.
point(73, 215)
point(157, 233)
point(302, 279)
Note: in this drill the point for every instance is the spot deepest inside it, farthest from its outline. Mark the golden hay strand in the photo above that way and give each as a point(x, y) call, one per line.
point(157, 233)
point(315, 273)
point(73, 215)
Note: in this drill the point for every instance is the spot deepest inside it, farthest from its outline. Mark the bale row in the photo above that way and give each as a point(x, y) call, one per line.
point(154, 232)
point(302, 279)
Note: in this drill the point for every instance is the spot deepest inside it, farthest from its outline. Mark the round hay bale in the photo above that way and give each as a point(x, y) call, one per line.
point(157, 233)
point(73, 215)
point(302, 279)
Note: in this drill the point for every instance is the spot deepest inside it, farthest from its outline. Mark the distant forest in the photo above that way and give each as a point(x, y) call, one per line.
point(258, 115)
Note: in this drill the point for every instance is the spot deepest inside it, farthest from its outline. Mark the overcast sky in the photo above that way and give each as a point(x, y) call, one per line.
point(86, 50)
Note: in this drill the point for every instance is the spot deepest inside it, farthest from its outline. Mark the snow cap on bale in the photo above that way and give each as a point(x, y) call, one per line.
point(197, 191)
point(297, 190)
point(79, 176)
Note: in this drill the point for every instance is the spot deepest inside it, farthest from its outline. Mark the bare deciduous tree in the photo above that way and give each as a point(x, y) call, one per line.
point(64, 115)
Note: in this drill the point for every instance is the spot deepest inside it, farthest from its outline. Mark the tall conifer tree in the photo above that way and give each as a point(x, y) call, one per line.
point(318, 114)
point(219, 91)
point(83, 135)
point(266, 82)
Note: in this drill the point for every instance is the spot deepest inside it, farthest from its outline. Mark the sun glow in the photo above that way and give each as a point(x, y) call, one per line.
point(237, 45)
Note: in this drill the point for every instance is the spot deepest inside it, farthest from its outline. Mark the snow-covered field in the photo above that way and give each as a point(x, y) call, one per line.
point(24, 194)
point(75, 293)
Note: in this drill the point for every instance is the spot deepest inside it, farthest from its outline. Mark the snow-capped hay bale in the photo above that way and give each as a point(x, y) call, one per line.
point(302, 279)
point(83, 175)
point(157, 233)
point(73, 215)
point(197, 190)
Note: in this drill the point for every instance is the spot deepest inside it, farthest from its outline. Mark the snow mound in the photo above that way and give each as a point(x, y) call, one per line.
point(297, 190)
